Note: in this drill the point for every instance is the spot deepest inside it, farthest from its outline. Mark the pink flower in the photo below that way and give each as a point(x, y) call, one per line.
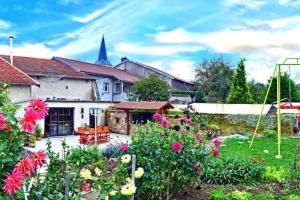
point(199, 171)
point(196, 164)
point(198, 137)
point(29, 120)
point(215, 152)
point(217, 142)
point(188, 120)
point(13, 182)
point(39, 107)
point(176, 147)
point(26, 166)
point(2, 122)
point(157, 117)
point(39, 158)
point(164, 123)
point(124, 147)
point(85, 187)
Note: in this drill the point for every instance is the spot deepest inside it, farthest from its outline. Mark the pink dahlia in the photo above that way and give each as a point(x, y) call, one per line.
point(217, 142)
point(40, 107)
point(85, 187)
point(164, 123)
point(13, 182)
point(199, 171)
point(188, 120)
point(25, 166)
point(158, 117)
point(198, 137)
point(124, 147)
point(29, 120)
point(196, 164)
point(2, 121)
point(215, 152)
point(176, 147)
point(39, 158)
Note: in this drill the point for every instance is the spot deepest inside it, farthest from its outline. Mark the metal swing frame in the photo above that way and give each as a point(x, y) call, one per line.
point(277, 73)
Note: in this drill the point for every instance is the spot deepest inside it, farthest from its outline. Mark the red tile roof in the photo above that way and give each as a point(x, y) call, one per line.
point(13, 75)
point(144, 105)
point(45, 67)
point(97, 69)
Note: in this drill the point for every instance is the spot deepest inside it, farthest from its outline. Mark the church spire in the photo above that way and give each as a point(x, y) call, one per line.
point(102, 57)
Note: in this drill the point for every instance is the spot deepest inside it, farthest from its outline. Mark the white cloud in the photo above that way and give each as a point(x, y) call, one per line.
point(289, 2)
point(159, 50)
point(4, 25)
point(67, 2)
point(251, 4)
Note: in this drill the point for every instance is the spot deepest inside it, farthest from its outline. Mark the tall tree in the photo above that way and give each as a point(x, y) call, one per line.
point(284, 88)
point(239, 90)
point(199, 97)
point(213, 77)
point(152, 88)
point(258, 91)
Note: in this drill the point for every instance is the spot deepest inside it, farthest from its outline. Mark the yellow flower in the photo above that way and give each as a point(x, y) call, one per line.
point(85, 174)
point(126, 158)
point(106, 197)
point(139, 172)
point(98, 171)
point(113, 193)
point(197, 145)
point(128, 180)
point(128, 189)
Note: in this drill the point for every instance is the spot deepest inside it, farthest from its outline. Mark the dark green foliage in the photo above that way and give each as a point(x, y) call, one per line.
point(258, 91)
point(199, 97)
point(213, 77)
point(284, 85)
point(231, 171)
point(239, 90)
point(112, 150)
point(152, 88)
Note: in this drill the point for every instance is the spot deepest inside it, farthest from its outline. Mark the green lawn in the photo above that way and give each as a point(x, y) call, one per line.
point(239, 149)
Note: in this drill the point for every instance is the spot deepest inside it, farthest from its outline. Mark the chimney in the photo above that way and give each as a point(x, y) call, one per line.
point(11, 43)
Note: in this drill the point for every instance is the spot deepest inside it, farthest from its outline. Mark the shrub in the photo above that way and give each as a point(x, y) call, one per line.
point(275, 174)
point(172, 159)
point(231, 171)
point(217, 194)
point(264, 196)
point(293, 197)
point(269, 133)
point(239, 195)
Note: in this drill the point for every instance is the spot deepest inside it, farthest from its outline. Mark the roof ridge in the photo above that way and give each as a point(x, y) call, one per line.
point(26, 57)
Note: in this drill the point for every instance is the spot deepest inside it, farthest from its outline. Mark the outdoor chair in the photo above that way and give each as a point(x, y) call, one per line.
point(106, 132)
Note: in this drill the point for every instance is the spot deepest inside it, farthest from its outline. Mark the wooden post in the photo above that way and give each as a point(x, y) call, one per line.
point(128, 122)
point(133, 163)
point(67, 182)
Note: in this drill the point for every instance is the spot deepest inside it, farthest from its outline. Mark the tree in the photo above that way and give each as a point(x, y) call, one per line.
point(239, 90)
point(258, 91)
point(284, 86)
point(152, 88)
point(213, 77)
point(199, 97)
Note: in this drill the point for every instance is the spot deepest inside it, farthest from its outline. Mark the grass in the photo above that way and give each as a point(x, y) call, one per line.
point(239, 149)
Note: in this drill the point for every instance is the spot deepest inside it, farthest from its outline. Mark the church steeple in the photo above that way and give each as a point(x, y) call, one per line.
point(102, 57)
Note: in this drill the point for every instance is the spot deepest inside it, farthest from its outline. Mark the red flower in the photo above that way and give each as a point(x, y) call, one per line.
point(8, 128)
point(188, 120)
point(164, 123)
point(215, 152)
point(29, 120)
point(196, 164)
point(39, 107)
point(217, 142)
point(158, 117)
point(39, 158)
point(198, 137)
point(13, 182)
point(4, 86)
point(176, 147)
point(84, 139)
point(124, 147)
point(26, 166)
point(2, 121)
point(199, 171)
point(85, 187)
point(177, 128)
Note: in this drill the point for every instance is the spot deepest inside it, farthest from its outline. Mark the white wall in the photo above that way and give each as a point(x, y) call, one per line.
point(214, 108)
point(19, 93)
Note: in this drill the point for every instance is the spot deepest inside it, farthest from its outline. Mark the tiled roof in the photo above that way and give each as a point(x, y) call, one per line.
point(45, 67)
point(157, 71)
point(98, 69)
point(13, 75)
point(144, 105)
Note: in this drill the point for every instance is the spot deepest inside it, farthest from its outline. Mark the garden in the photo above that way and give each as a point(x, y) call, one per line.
point(177, 158)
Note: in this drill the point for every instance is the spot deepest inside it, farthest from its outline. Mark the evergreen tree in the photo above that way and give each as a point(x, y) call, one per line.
point(199, 97)
point(239, 90)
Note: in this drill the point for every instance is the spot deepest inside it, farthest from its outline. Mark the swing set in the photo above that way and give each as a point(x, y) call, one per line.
point(280, 102)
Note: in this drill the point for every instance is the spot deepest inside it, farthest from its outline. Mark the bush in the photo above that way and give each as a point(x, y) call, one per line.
point(264, 196)
point(217, 194)
point(172, 160)
point(239, 195)
point(270, 134)
point(275, 174)
point(230, 171)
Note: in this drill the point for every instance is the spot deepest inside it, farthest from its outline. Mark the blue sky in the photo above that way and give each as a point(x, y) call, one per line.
point(172, 35)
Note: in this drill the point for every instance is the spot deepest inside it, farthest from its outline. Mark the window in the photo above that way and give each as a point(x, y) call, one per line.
point(106, 86)
point(118, 88)
point(127, 88)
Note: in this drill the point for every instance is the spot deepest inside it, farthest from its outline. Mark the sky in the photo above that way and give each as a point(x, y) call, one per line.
point(172, 35)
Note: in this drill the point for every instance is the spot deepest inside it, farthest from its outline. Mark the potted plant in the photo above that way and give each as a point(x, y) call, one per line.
point(32, 140)
point(38, 132)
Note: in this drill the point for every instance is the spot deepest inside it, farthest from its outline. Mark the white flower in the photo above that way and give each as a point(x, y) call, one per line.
point(266, 151)
point(126, 158)
point(128, 189)
point(113, 193)
point(139, 172)
point(98, 171)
